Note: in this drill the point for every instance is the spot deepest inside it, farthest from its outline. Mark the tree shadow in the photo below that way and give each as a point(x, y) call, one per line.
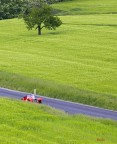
point(55, 33)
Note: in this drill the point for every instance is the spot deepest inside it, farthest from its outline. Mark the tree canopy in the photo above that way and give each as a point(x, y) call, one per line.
point(39, 15)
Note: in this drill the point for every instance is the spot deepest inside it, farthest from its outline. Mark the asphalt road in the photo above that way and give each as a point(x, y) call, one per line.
point(69, 107)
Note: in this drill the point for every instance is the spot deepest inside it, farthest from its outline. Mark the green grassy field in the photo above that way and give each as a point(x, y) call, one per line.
point(81, 54)
point(77, 62)
point(25, 123)
point(73, 7)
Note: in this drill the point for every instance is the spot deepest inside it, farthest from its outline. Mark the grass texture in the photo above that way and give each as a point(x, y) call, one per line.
point(81, 54)
point(84, 7)
point(26, 123)
point(77, 62)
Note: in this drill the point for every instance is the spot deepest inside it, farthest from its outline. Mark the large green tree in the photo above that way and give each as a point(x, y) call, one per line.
point(40, 15)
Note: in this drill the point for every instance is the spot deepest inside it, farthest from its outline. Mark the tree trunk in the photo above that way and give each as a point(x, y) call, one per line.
point(39, 30)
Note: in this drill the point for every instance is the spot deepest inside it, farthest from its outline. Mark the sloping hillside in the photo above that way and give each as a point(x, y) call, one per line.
point(77, 62)
point(27, 123)
point(71, 7)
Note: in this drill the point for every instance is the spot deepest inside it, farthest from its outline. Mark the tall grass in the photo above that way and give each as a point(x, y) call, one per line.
point(26, 123)
point(52, 89)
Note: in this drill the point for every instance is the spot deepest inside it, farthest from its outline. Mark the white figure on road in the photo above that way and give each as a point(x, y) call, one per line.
point(33, 96)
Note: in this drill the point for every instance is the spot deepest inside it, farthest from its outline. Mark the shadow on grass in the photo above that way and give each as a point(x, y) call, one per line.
point(112, 25)
point(34, 34)
point(55, 32)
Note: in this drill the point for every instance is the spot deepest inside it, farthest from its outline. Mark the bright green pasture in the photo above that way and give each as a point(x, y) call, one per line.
point(82, 53)
point(25, 123)
point(86, 7)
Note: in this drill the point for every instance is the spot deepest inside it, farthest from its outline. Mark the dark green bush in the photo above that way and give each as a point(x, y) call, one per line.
point(11, 8)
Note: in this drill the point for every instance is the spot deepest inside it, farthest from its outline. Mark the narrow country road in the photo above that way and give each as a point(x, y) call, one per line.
point(70, 107)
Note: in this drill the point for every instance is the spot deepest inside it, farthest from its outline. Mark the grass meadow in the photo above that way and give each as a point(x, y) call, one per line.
point(77, 62)
point(26, 123)
point(84, 7)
